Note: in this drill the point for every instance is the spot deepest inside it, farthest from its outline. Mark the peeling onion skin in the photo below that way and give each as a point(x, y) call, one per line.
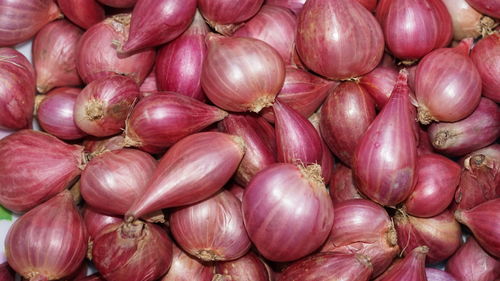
point(84, 13)
point(411, 267)
point(187, 268)
point(486, 56)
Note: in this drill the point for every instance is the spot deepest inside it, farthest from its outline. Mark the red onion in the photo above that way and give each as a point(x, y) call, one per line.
point(225, 16)
point(149, 86)
point(371, 5)
point(259, 154)
point(485, 55)
point(241, 74)
point(35, 166)
point(345, 116)
point(478, 130)
point(55, 114)
point(191, 170)
point(132, 251)
point(179, 63)
point(327, 160)
point(410, 268)
point(98, 145)
point(484, 222)
point(6, 273)
point(163, 119)
point(379, 84)
point(437, 180)
point(438, 275)
point(329, 266)
point(385, 158)
point(186, 268)
point(424, 143)
point(248, 267)
point(467, 22)
point(155, 22)
point(95, 221)
point(447, 84)
point(119, 3)
point(440, 233)
point(20, 20)
point(84, 13)
point(48, 242)
point(97, 56)
point(293, 5)
point(17, 91)
point(342, 187)
point(413, 28)
point(104, 104)
point(274, 25)
point(363, 227)
point(472, 263)
point(287, 211)
point(339, 39)
point(487, 7)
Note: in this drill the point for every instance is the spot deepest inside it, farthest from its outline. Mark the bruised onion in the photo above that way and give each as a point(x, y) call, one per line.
point(35, 166)
point(84, 13)
point(241, 74)
point(486, 56)
point(96, 221)
point(186, 268)
point(467, 22)
point(339, 39)
point(379, 84)
point(49, 242)
point(487, 7)
point(342, 186)
point(433, 274)
point(410, 268)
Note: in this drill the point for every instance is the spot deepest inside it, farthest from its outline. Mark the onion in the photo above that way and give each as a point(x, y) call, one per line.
point(478, 130)
point(424, 143)
point(248, 267)
point(371, 5)
point(447, 84)
point(484, 222)
point(467, 22)
point(293, 5)
point(379, 84)
point(84, 13)
point(163, 119)
point(287, 211)
point(155, 22)
point(19, 21)
point(345, 116)
point(95, 221)
point(472, 263)
point(99, 145)
point(17, 91)
point(414, 28)
point(119, 3)
point(385, 159)
point(487, 7)
point(339, 39)
point(35, 166)
point(104, 104)
point(274, 25)
point(179, 63)
point(342, 187)
point(48, 242)
point(329, 266)
point(97, 56)
point(6, 273)
point(438, 275)
point(149, 86)
point(485, 55)
point(410, 268)
point(241, 74)
point(437, 180)
point(226, 15)
point(192, 170)
point(327, 160)
point(236, 190)
point(363, 227)
point(186, 268)
point(132, 251)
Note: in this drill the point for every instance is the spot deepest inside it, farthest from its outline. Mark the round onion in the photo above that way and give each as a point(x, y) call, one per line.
point(84, 13)
point(486, 57)
point(467, 22)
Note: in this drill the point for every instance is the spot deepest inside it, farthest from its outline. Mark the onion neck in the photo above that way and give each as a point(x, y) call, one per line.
point(208, 255)
point(487, 26)
point(424, 116)
point(312, 173)
point(262, 102)
point(441, 139)
point(94, 110)
point(133, 230)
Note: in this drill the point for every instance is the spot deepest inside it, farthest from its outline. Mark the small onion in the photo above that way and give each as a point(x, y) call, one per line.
point(95, 221)
point(84, 13)
point(467, 22)
point(410, 268)
point(486, 57)
point(186, 268)
point(487, 7)
point(438, 275)
point(119, 3)
point(379, 83)
point(342, 186)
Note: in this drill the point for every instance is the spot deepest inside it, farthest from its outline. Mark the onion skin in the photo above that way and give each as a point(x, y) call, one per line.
point(485, 55)
point(48, 242)
point(179, 63)
point(134, 251)
point(291, 196)
point(97, 56)
point(472, 263)
point(424, 143)
point(342, 31)
point(95, 221)
point(55, 114)
point(379, 84)
point(385, 159)
point(363, 227)
point(186, 268)
point(149, 86)
point(438, 275)
point(98, 145)
point(342, 186)
point(179, 180)
point(247, 268)
point(17, 94)
point(345, 116)
point(434, 190)
point(241, 74)
point(487, 7)
point(478, 130)
point(84, 13)
point(236, 190)
point(155, 22)
point(484, 222)
point(411, 267)
point(466, 20)
point(293, 5)
point(103, 105)
point(119, 3)
point(52, 165)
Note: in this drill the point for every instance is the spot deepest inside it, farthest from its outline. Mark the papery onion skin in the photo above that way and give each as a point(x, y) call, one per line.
point(487, 7)
point(95, 221)
point(478, 130)
point(342, 186)
point(241, 74)
point(17, 94)
point(485, 55)
point(437, 181)
point(293, 197)
point(187, 268)
point(55, 114)
point(178, 179)
point(155, 22)
point(179, 63)
point(465, 19)
point(411, 267)
point(49, 242)
point(84, 13)
point(97, 56)
point(345, 116)
point(329, 266)
point(379, 83)
point(434, 274)
point(52, 165)
point(484, 222)
point(119, 3)
point(247, 268)
point(339, 39)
